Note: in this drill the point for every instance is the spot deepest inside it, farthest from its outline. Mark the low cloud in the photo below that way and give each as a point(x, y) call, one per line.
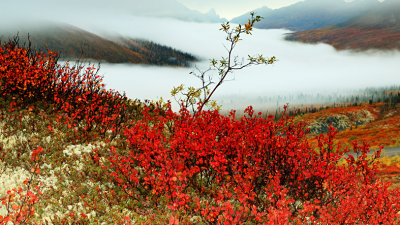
point(301, 67)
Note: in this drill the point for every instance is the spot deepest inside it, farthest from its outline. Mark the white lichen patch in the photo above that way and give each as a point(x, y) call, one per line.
point(51, 211)
point(80, 149)
point(11, 179)
point(47, 181)
point(14, 140)
point(341, 121)
point(389, 114)
point(364, 116)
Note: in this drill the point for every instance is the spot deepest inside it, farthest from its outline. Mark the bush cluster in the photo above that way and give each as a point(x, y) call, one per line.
point(202, 168)
point(31, 79)
point(251, 171)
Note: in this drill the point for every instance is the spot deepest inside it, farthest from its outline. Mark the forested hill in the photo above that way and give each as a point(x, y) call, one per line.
point(377, 28)
point(72, 42)
point(156, 54)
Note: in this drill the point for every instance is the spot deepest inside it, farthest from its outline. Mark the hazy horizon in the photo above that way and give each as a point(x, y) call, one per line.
point(233, 8)
point(60, 11)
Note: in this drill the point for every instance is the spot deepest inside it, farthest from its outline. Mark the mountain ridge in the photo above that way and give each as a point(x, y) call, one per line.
point(377, 28)
point(310, 14)
point(107, 9)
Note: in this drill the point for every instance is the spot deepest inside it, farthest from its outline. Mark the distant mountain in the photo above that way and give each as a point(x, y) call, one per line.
point(70, 42)
point(310, 14)
point(107, 9)
point(377, 28)
point(187, 15)
point(244, 18)
point(168, 9)
point(213, 17)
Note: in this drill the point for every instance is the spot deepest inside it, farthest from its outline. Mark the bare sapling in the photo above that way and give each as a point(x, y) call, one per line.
point(201, 97)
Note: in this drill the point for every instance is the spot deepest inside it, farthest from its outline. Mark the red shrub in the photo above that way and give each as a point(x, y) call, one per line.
point(230, 171)
point(28, 78)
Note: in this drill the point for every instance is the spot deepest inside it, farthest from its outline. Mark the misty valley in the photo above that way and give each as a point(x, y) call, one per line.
point(301, 69)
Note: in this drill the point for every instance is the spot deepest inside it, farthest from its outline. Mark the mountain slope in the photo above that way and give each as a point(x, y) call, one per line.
point(71, 42)
point(377, 28)
point(311, 14)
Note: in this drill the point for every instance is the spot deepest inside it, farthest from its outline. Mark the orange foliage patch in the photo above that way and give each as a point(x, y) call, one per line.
point(390, 173)
point(350, 37)
point(383, 130)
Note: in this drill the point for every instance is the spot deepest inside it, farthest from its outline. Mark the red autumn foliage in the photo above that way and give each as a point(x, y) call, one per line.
point(382, 130)
point(27, 77)
point(224, 170)
point(255, 169)
point(20, 203)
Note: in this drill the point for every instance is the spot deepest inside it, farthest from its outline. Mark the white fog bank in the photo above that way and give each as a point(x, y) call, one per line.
point(301, 67)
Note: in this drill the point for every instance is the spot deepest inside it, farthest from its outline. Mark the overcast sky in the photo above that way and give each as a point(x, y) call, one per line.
point(28, 9)
point(233, 8)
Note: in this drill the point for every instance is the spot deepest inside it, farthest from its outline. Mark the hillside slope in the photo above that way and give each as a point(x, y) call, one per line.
point(155, 54)
point(72, 42)
point(377, 123)
point(309, 14)
point(377, 28)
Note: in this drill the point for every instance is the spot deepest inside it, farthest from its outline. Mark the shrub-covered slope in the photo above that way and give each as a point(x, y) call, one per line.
point(377, 123)
point(377, 28)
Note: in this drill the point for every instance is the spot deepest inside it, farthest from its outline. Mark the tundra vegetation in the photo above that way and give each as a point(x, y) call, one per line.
point(72, 151)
